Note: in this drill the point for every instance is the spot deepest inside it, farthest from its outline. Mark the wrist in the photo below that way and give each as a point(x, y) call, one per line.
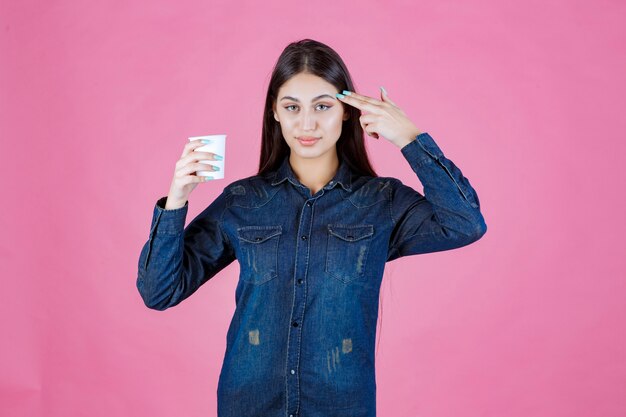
point(410, 139)
point(174, 205)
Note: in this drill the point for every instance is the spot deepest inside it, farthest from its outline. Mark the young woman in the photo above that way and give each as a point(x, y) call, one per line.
point(312, 232)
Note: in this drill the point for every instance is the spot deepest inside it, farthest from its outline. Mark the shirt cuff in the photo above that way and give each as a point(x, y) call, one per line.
point(421, 150)
point(168, 221)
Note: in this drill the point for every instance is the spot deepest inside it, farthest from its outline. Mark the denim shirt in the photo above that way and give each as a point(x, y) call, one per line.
point(301, 340)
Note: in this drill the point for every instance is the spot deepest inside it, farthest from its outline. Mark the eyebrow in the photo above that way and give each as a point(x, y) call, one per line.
point(314, 99)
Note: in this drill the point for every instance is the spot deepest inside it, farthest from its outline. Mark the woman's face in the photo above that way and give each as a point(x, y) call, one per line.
point(307, 107)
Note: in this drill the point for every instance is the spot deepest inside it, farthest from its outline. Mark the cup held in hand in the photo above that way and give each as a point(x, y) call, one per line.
point(217, 146)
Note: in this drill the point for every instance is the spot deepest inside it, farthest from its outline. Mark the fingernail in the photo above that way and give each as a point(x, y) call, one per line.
point(339, 95)
point(206, 140)
point(383, 89)
point(346, 92)
point(206, 177)
point(217, 157)
point(216, 168)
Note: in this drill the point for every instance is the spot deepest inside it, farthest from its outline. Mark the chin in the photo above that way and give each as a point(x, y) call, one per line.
point(306, 153)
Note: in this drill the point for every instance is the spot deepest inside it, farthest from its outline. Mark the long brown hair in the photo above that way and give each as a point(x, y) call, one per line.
point(313, 57)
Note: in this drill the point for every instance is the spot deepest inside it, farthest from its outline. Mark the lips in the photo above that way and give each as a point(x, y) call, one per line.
point(307, 140)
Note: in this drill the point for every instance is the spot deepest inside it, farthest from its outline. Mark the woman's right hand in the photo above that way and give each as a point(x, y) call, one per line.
point(185, 178)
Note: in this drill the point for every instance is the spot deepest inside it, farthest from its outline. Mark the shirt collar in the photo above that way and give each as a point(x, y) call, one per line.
point(342, 177)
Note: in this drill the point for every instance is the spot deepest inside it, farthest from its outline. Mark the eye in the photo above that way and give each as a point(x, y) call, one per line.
point(293, 105)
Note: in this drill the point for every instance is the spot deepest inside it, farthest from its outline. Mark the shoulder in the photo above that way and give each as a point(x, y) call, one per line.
point(252, 191)
point(367, 191)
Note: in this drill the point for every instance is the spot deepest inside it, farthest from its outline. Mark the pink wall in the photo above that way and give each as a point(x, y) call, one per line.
point(96, 103)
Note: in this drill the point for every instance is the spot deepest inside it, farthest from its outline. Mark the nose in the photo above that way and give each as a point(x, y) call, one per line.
point(308, 120)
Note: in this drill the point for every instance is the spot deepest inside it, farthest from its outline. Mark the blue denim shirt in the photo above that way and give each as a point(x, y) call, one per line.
point(301, 340)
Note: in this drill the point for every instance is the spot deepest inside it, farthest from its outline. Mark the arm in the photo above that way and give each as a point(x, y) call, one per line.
point(176, 261)
point(447, 217)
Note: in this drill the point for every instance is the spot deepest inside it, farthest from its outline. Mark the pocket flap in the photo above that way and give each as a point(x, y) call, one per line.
point(351, 233)
point(258, 234)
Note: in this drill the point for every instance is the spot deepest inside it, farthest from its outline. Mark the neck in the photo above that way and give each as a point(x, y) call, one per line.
point(314, 172)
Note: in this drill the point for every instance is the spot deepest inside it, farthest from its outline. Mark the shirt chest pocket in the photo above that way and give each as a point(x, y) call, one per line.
point(259, 253)
point(347, 249)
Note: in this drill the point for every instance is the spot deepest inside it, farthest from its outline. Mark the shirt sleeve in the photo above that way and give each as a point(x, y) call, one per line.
point(446, 217)
point(176, 261)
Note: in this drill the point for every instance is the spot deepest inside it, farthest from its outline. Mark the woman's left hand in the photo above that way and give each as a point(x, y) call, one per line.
point(384, 118)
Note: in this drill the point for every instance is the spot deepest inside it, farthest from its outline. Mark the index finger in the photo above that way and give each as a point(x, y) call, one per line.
point(191, 145)
point(360, 101)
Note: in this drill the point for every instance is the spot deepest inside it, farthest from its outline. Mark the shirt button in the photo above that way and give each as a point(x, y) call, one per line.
point(294, 324)
point(308, 203)
point(303, 237)
point(299, 281)
point(331, 182)
point(293, 372)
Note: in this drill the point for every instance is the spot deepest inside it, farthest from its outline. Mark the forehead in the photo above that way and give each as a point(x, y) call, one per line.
point(306, 87)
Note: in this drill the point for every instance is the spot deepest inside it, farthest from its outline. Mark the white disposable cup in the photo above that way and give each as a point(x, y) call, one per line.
point(216, 146)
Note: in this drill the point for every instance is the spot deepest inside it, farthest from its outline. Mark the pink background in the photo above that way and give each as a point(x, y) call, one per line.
point(97, 100)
